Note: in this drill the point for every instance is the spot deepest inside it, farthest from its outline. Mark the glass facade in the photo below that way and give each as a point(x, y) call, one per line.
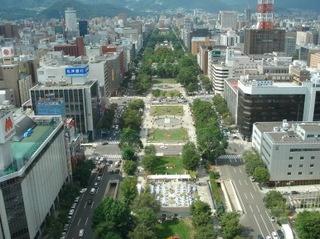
point(316, 116)
point(267, 108)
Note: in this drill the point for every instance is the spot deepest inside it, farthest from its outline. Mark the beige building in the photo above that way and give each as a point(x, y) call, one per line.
point(304, 38)
point(197, 42)
point(315, 60)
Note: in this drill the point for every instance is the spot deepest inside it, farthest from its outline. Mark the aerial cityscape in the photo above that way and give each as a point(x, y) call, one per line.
point(155, 119)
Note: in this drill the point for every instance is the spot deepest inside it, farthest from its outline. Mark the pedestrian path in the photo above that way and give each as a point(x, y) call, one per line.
point(113, 156)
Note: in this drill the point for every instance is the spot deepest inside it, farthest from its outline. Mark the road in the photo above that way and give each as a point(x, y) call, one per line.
point(82, 218)
point(256, 219)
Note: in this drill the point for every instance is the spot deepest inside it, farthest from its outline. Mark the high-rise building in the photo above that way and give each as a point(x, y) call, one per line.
point(196, 42)
point(304, 38)
point(264, 39)
point(228, 19)
point(9, 31)
point(83, 28)
point(33, 169)
point(70, 16)
point(290, 43)
point(315, 60)
point(230, 38)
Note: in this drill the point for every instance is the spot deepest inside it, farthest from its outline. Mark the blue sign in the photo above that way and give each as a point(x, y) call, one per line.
point(78, 71)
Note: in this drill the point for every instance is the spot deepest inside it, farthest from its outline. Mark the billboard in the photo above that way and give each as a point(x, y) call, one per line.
point(7, 129)
point(51, 107)
point(77, 71)
point(7, 52)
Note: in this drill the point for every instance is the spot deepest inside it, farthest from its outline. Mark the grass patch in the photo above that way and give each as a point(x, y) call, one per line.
point(165, 81)
point(168, 135)
point(169, 165)
point(166, 110)
point(181, 228)
point(166, 93)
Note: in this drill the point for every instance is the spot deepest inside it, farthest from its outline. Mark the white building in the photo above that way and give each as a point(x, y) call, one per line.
point(228, 19)
point(290, 150)
point(230, 38)
point(71, 24)
point(33, 169)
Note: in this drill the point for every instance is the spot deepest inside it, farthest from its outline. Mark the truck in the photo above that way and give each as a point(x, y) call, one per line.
point(287, 231)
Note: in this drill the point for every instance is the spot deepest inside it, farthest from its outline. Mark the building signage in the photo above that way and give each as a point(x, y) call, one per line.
point(7, 51)
point(77, 71)
point(216, 53)
point(6, 127)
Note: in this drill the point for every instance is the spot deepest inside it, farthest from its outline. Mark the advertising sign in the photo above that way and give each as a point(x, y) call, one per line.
point(6, 127)
point(77, 71)
point(7, 51)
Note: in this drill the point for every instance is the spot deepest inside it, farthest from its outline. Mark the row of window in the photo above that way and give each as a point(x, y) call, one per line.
point(301, 165)
point(302, 157)
point(299, 173)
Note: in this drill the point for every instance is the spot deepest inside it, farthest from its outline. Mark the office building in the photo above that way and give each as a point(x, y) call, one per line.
point(77, 101)
point(230, 38)
point(304, 38)
point(33, 169)
point(315, 60)
point(73, 48)
point(290, 44)
point(70, 16)
point(261, 41)
point(228, 20)
point(290, 150)
point(83, 28)
point(261, 100)
point(197, 42)
point(9, 30)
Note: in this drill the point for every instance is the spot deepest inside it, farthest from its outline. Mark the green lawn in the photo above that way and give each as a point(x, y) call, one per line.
point(166, 110)
point(181, 228)
point(165, 81)
point(166, 93)
point(169, 165)
point(168, 135)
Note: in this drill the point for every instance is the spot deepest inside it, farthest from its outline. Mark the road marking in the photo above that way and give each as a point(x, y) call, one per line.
point(234, 170)
point(240, 170)
point(265, 224)
point(240, 183)
point(256, 220)
point(251, 208)
point(251, 195)
point(269, 217)
point(92, 204)
point(86, 222)
point(258, 209)
point(79, 222)
point(85, 205)
point(246, 182)
point(245, 195)
point(239, 197)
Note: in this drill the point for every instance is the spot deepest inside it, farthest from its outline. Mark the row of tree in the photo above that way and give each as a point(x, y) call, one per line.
point(276, 203)
point(221, 107)
point(255, 166)
point(211, 142)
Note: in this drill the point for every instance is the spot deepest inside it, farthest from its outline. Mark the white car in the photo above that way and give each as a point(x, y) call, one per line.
point(83, 190)
point(268, 237)
point(77, 199)
point(274, 235)
point(98, 178)
point(81, 232)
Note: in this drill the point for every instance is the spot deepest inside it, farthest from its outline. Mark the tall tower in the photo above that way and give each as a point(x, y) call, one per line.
point(265, 14)
point(71, 20)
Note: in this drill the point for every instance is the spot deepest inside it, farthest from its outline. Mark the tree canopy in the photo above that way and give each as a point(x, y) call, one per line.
point(190, 156)
point(308, 225)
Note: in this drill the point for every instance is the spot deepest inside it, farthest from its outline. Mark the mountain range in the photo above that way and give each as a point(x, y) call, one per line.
point(13, 9)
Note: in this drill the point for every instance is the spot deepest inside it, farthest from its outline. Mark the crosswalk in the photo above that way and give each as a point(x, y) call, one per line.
point(113, 156)
point(113, 142)
point(230, 157)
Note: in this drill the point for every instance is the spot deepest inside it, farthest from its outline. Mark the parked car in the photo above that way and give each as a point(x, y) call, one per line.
point(81, 233)
point(83, 190)
point(98, 178)
point(77, 199)
point(89, 202)
point(92, 191)
point(274, 235)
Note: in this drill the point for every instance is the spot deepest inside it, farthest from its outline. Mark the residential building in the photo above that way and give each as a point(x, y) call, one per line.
point(315, 60)
point(290, 150)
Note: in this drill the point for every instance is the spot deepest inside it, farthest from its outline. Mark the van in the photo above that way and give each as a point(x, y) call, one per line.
point(92, 191)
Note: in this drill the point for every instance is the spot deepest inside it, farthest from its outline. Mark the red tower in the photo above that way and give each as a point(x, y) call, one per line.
point(265, 14)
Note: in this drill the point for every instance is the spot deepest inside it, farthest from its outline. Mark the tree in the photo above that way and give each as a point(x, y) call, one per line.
point(149, 163)
point(130, 138)
point(54, 227)
point(201, 213)
point(146, 199)
point(261, 174)
point(308, 225)
point(205, 232)
point(111, 216)
point(128, 153)
point(150, 149)
point(128, 190)
point(252, 161)
point(274, 201)
point(146, 216)
point(230, 225)
point(142, 232)
point(82, 172)
point(190, 156)
point(130, 167)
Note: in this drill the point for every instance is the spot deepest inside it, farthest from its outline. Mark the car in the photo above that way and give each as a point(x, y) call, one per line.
point(268, 237)
point(280, 234)
point(252, 179)
point(110, 162)
point(89, 202)
point(260, 237)
point(71, 212)
point(95, 184)
point(83, 190)
point(81, 233)
point(273, 219)
point(105, 143)
point(73, 205)
point(77, 199)
point(274, 235)
point(66, 227)
point(294, 192)
point(98, 178)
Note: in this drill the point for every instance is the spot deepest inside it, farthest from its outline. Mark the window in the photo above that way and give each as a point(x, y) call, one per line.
point(310, 173)
point(290, 158)
point(313, 157)
point(301, 158)
point(300, 165)
point(311, 165)
point(289, 173)
point(290, 166)
point(300, 173)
